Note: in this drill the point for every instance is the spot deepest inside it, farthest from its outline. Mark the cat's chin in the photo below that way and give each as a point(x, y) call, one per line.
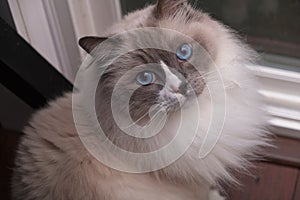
point(175, 106)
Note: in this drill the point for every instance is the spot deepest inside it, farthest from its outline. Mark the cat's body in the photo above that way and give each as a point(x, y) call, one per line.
point(52, 163)
point(55, 165)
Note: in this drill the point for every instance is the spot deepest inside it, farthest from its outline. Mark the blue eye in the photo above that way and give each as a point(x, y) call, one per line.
point(184, 52)
point(145, 78)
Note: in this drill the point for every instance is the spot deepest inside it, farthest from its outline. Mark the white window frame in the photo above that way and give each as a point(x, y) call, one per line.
point(281, 90)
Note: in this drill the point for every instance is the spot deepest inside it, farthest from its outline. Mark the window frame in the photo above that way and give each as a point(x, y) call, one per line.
point(280, 88)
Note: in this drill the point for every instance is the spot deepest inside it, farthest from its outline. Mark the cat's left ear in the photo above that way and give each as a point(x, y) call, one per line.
point(89, 43)
point(166, 8)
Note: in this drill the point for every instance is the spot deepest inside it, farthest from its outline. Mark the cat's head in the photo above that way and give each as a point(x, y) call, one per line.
point(161, 77)
point(193, 47)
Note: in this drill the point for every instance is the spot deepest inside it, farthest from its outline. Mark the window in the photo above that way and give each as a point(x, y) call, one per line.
point(269, 25)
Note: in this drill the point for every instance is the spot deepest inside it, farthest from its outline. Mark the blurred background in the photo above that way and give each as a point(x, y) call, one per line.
point(39, 54)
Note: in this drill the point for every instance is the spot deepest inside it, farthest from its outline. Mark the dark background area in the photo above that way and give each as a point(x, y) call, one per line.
point(131, 5)
point(273, 19)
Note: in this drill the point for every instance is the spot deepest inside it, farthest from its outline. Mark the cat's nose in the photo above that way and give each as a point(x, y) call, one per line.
point(183, 88)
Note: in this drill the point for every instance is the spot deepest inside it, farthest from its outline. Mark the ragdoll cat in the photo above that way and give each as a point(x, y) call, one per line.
point(53, 161)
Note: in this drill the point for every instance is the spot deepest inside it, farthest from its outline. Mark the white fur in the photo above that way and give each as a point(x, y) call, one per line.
point(172, 81)
point(171, 87)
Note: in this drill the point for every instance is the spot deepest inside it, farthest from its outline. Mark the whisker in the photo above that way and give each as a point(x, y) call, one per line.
point(213, 71)
point(207, 80)
point(130, 125)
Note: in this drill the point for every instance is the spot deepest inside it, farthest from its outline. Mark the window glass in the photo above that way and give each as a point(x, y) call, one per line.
point(131, 5)
point(269, 25)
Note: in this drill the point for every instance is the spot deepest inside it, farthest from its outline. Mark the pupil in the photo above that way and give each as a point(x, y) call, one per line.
point(183, 51)
point(145, 77)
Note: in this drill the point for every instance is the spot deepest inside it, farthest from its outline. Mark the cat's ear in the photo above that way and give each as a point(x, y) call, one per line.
point(89, 43)
point(166, 8)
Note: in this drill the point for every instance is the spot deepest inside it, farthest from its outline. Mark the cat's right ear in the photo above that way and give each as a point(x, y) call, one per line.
point(89, 43)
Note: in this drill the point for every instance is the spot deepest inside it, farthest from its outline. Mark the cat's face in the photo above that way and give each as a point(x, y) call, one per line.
point(155, 78)
point(160, 78)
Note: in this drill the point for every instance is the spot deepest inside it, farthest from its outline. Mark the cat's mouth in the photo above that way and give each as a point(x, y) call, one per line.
point(174, 104)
